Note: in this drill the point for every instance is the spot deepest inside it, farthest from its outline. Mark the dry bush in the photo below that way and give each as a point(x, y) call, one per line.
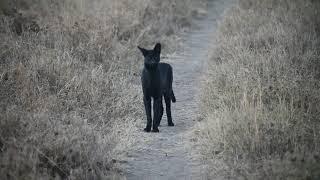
point(69, 96)
point(261, 96)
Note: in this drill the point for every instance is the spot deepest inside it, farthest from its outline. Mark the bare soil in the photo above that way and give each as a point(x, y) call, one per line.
point(172, 153)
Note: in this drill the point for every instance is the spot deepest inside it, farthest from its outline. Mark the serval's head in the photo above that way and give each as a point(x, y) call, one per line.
point(151, 57)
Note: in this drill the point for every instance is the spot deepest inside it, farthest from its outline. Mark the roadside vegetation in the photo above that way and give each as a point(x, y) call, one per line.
point(69, 81)
point(260, 96)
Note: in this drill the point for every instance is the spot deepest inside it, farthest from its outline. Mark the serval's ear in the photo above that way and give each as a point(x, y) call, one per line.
point(157, 48)
point(144, 51)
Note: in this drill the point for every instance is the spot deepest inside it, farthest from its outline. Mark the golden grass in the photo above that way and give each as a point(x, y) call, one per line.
point(70, 94)
point(261, 95)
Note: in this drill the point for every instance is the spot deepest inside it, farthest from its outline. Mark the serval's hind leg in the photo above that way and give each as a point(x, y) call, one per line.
point(167, 99)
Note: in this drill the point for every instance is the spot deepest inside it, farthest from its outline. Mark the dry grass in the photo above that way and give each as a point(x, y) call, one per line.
point(70, 94)
point(261, 97)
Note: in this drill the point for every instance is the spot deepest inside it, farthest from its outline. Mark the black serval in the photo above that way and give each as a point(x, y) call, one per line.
point(156, 81)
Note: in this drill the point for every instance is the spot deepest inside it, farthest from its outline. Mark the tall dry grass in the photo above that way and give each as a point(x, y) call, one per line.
point(261, 95)
point(70, 93)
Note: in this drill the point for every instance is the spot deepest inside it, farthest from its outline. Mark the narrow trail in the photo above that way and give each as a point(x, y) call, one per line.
point(170, 153)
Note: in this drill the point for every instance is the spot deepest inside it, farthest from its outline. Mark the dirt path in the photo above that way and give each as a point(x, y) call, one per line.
point(170, 153)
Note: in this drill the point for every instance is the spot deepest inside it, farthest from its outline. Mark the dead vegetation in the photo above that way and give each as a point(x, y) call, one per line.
point(261, 96)
point(68, 97)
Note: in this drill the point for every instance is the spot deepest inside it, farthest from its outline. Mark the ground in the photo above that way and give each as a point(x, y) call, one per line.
point(172, 153)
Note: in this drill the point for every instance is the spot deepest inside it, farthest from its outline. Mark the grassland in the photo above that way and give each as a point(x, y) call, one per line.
point(69, 81)
point(260, 97)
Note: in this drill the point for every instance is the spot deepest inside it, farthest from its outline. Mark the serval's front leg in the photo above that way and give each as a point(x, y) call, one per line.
point(157, 113)
point(147, 106)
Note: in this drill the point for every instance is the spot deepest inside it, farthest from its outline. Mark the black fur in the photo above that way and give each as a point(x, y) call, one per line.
point(156, 81)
